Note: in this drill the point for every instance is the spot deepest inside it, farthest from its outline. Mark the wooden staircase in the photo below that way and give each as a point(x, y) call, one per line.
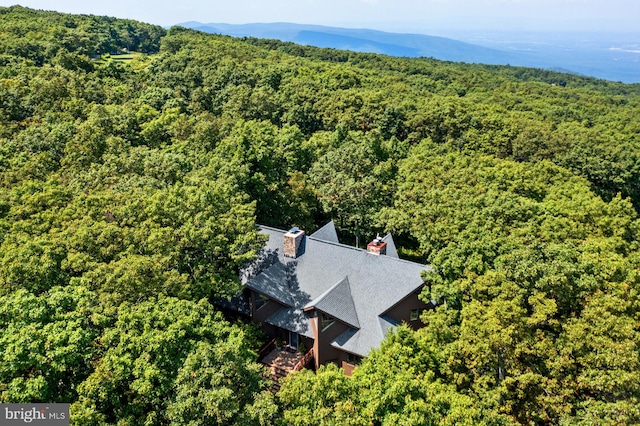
point(277, 373)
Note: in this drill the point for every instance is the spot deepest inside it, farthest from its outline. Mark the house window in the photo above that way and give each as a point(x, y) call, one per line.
point(415, 314)
point(293, 340)
point(353, 359)
point(260, 300)
point(327, 320)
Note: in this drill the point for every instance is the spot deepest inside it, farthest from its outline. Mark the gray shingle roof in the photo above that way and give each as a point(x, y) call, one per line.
point(293, 319)
point(317, 276)
point(327, 233)
point(338, 303)
point(391, 246)
point(270, 282)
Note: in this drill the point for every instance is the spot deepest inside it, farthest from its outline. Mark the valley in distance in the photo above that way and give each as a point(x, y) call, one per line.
point(608, 56)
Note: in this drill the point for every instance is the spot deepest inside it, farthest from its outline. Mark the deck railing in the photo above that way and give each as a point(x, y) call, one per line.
point(306, 360)
point(264, 351)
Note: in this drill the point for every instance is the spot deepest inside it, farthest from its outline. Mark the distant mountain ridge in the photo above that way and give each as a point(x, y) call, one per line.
point(584, 59)
point(364, 40)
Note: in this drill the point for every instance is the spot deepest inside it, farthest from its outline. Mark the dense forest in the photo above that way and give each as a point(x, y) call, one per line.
point(135, 163)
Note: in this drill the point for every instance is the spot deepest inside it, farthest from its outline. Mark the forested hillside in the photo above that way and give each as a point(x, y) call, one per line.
point(130, 186)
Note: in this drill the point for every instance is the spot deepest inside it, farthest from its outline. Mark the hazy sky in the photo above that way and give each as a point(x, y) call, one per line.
point(392, 15)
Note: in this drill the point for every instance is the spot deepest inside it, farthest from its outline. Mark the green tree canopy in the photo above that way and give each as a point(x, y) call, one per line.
point(522, 254)
point(169, 361)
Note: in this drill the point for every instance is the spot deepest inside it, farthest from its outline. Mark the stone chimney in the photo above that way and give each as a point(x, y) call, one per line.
point(292, 241)
point(377, 246)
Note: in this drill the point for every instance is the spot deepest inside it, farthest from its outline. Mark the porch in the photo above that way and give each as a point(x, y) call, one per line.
point(282, 361)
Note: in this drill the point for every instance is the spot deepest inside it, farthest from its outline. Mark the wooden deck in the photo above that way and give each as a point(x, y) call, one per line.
point(283, 361)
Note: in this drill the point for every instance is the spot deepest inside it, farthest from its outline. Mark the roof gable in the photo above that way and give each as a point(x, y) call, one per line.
point(337, 302)
point(327, 233)
point(391, 246)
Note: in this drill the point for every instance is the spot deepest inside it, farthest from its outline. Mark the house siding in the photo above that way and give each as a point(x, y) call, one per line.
point(265, 311)
point(348, 368)
point(322, 345)
point(401, 312)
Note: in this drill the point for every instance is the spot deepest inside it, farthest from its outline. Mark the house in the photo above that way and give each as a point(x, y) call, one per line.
point(313, 292)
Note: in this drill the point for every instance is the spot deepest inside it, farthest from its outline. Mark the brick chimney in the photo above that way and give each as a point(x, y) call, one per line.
point(292, 241)
point(377, 246)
